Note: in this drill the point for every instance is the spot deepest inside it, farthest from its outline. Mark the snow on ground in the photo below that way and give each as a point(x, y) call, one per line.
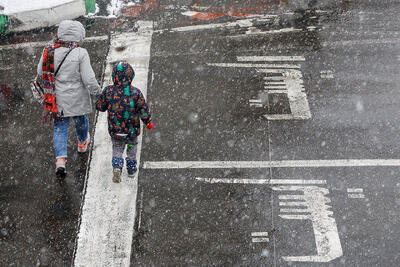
point(13, 6)
point(115, 6)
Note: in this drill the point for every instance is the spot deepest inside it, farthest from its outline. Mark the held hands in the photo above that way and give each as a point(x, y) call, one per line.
point(150, 125)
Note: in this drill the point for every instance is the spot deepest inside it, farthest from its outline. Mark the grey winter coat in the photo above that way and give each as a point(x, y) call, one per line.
point(75, 81)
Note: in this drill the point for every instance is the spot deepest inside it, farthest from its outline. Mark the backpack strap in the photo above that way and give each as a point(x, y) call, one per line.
point(59, 66)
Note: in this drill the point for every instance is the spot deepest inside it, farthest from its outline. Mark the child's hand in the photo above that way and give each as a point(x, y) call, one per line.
point(150, 125)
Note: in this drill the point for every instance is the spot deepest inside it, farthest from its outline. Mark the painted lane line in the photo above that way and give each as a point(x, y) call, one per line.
point(239, 23)
point(362, 42)
point(271, 164)
point(355, 190)
point(297, 203)
point(259, 234)
point(260, 181)
point(295, 210)
point(355, 193)
point(270, 58)
point(296, 217)
point(291, 197)
point(327, 74)
point(256, 103)
point(277, 91)
point(260, 239)
point(42, 44)
point(109, 209)
point(252, 32)
point(254, 65)
point(242, 23)
point(281, 117)
point(356, 196)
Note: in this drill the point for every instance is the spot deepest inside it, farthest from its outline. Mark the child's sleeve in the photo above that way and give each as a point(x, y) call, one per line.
point(143, 109)
point(102, 103)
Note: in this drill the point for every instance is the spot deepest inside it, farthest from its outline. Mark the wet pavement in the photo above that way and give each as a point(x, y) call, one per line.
point(38, 214)
point(293, 89)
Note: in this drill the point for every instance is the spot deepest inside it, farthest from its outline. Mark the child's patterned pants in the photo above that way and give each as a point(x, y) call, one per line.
point(118, 147)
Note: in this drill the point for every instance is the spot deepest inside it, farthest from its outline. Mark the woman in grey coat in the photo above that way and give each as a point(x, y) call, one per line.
point(74, 83)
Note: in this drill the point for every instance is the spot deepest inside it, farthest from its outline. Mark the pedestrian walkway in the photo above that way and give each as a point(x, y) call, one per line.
point(109, 209)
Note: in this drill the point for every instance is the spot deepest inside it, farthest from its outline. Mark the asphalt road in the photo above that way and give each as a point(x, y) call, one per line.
point(249, 161)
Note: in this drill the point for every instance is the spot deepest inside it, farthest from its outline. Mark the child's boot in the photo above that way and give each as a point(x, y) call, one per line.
point(131, 167)
point(117, 164)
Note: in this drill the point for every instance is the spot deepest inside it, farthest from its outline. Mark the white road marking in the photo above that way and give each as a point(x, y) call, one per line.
point(256, 31)
point(259, 234)
point(238, 23)
point(324, 225)
point(277, 91)
point(290, 197)
point(288, 203)
point(277, 77)
point(355, 190)
point(254, 65)
point(279, 117)
point(356, 196)
point(260, 239)
point(256, 103)
point(271, 164)
point(109, 209)
point(314, 199)
point(293, 79)
point(273, 79)
point(355, 193)
point(248, 22)
point(259, 181)
point(270, 58)
point(362, 42)
point(327, 74)
point(295, 210)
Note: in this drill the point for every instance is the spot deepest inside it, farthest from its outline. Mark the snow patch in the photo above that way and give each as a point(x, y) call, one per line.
point(12, 6)
point(115, 6)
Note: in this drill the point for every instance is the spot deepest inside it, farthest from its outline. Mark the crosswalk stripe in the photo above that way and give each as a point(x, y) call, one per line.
point(109, 210)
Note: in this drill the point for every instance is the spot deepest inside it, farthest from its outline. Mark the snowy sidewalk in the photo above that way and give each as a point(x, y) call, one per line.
point(25, 15)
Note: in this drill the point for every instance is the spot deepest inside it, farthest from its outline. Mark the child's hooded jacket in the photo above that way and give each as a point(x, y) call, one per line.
point(125, 104)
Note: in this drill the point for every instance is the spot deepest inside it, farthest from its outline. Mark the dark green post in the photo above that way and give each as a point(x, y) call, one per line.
point(3, 23)
point(90, 6)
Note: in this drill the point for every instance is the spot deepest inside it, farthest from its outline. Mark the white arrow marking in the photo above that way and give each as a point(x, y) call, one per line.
point(316, 206)
point(324, 225)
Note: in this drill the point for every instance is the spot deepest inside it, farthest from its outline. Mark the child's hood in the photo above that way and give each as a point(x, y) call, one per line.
point(122, 74)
